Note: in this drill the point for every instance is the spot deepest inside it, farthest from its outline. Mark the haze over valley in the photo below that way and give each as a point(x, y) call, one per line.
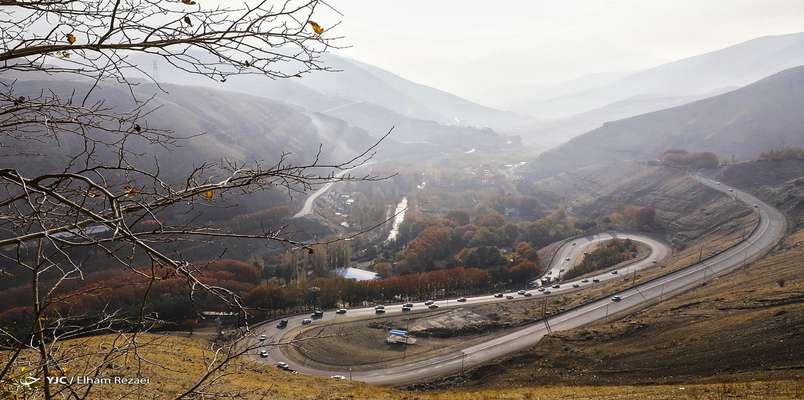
point(307, 199)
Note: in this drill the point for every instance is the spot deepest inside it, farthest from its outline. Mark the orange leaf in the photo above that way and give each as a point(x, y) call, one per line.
point(316, 28)
point(209, 194)
point(71, 38)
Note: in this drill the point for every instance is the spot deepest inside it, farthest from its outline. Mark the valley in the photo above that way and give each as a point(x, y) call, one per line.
point(279, 199)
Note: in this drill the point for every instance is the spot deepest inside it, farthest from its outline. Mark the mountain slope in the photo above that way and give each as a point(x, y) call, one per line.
point(733, 66)
point(235, 126)
point(744, 123)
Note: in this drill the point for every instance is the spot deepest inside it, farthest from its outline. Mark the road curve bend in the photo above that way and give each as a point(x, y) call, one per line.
point(770, 230)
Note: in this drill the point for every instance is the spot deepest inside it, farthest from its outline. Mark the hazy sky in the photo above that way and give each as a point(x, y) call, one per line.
point(471, 47)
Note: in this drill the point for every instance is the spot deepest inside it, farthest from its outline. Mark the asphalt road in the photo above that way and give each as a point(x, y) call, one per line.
point(770, 230)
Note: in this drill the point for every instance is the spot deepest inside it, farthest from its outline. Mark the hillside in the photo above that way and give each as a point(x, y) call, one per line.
point(742, 123)
point(175, 362)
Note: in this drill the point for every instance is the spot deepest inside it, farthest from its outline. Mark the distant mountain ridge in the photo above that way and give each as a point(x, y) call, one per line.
point(733, 66)
point(742, 123)
point(359, 86)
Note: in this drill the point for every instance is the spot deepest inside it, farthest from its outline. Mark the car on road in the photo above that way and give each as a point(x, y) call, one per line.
point(263, 337)
point(341, 311)
point(338, 377)
point(429, 302)
point(498, 295)
point(509, 297)
point(541, 289)
point(317, 314)
point(307, 321)
point(528, 294)
point(408, 305)
point(379, 311)
point(614, 272)
point(462, 300)
point(575, 285)
point(405, 309)
point(546, 292)
point(556, 286)
point(283, 365)
point(264, 353)
point(282, 324)
point(596, 280)
point(567, 259)
point(379, 307)
point(616, 298)
point(432, 306)
point(521, 292)
point(584, 280)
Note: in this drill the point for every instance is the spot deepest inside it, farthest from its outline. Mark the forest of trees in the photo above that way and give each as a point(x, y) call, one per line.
point(611, 253)
point(685, 159)
point(787, 153)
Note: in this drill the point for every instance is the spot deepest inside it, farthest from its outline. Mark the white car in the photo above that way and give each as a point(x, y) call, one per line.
point(585, 280)
point(282, 365)
point(341, 311)
point(264, 353)
point(379, 307)
point(338, 377)
point(429, 303)
point(521, 292)
point(307, 321)
point(616, 298)
point(567, 259)
point(263, 337)
point(614, 272)
point(462, 300)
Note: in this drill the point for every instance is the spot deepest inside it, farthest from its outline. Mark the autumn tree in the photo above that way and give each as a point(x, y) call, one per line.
point(97, 198)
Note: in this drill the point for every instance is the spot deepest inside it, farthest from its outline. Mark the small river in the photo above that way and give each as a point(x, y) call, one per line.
point(400, 211)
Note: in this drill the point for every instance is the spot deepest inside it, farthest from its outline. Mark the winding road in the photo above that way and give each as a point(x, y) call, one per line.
point(771, 229)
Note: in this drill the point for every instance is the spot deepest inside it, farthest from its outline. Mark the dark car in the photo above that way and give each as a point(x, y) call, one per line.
point(317, 314)
point(433, 306)
point(462, 300)
point(282, 324)
point(405, 309)
point(408, 305)
point(498, 295)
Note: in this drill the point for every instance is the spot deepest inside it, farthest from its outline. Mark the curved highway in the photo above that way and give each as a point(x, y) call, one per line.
point(771, 229)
